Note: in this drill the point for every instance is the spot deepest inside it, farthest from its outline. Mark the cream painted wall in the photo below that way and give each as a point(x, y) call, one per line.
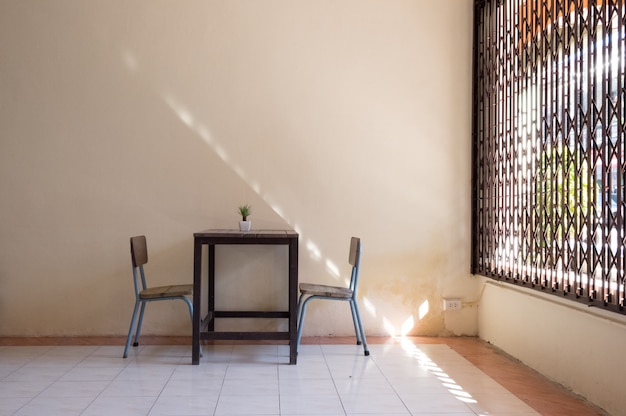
point(336, 118)
point(572, 344)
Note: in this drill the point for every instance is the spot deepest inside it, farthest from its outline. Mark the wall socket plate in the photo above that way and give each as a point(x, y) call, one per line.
point(452, 304)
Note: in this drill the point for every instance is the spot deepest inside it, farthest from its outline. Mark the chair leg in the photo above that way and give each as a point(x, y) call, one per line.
point(299, 305)
point(143, 308)
point(130, 330)
point(366, 350)
point(356, 324)
point(190, 306)
point(301, 313)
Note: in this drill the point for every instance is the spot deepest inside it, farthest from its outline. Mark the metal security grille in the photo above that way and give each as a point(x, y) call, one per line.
point(549, 200)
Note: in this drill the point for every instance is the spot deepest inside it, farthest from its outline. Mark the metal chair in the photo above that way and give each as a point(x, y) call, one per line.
point(309, 291)
point(144, 294)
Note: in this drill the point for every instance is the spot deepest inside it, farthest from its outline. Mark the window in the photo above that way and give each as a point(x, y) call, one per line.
point(549, 201)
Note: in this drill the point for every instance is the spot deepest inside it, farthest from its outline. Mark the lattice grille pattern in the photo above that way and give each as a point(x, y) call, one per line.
point(548, 146)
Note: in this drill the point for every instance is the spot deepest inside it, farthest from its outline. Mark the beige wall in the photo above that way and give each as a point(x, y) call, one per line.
point(577, 346)
point(336, 118)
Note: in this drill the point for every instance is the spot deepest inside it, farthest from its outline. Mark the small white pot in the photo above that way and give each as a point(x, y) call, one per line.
point(245, 225)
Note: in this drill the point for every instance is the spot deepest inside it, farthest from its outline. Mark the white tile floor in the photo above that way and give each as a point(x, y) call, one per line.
point(396, 379)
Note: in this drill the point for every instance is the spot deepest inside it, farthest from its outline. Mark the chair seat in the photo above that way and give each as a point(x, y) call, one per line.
point(166, 291)
point(324, 290)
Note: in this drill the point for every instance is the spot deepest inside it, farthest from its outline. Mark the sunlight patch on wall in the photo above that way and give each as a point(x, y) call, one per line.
point(239, 171)
point(369, 306)
point(423, 310)
point(221, 152)
point(407, 326)
point(256, 187)
point(389, 327)
point(314, 251)
point(187, 119)
point(183, 114)
point(204, 134)
point(275, 207)
point(130, 60)
point(332, 268)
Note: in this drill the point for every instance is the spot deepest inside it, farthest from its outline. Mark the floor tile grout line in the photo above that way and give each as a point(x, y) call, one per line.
point(219, 394)
point(126, 363)
point(343, 406)
point(51, 382)
point(372, 357)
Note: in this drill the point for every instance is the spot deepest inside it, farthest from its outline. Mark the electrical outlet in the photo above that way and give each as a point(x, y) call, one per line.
point(452, 304)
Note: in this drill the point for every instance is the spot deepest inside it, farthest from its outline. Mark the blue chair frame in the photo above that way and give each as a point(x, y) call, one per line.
point(309, 292)
point(145, 294)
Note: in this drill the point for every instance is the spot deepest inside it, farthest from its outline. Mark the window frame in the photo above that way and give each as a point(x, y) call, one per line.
point(548, 141)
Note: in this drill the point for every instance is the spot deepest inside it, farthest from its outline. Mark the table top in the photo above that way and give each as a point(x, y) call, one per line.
point(233, 233)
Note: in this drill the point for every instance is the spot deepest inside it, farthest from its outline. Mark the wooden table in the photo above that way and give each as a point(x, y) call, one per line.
point(204, 329)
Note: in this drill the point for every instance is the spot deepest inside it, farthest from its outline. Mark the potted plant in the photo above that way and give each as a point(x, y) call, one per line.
point(244, 211)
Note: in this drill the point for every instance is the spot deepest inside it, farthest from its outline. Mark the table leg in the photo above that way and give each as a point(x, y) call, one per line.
point(197, 304)
point(293, 301)
point(211, 294)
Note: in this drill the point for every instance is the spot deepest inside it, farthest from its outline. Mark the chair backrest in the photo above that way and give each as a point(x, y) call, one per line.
point(138, 250)
point(355, 260)
point(139, 257)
